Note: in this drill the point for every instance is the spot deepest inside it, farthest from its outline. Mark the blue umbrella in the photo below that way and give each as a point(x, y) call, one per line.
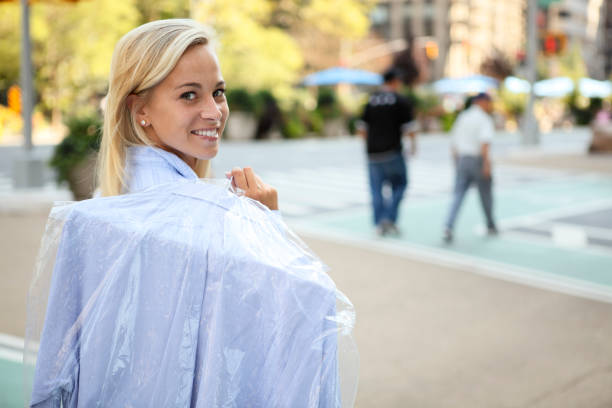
point(336, 75)
point(517, 85)
point(592, 88)
point(554, 87)
point(465, 85)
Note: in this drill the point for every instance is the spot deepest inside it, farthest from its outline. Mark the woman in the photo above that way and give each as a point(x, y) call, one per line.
point(167, 291)
point(167, 93)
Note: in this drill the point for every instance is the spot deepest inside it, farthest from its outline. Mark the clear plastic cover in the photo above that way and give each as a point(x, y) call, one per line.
point(184, 295)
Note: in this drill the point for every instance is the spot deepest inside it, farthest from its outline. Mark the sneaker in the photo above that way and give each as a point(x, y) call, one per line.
point(384, 228)
point(492, 231)
point(448, 236)
point(393, 230)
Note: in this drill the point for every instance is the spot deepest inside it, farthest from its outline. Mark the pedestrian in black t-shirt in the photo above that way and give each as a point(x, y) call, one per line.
point(387, 117)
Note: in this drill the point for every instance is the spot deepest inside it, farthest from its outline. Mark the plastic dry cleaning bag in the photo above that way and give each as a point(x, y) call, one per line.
point(184, 295)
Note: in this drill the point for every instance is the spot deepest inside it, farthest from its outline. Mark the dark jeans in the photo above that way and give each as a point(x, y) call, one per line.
point(392, 171)
point(469, 170)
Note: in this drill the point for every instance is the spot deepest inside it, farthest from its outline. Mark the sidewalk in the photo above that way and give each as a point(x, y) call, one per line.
point(428, 335)
point(599, 162)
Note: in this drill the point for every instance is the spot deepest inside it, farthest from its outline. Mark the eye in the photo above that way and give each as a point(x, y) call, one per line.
point(219, 92)
point(190, 96)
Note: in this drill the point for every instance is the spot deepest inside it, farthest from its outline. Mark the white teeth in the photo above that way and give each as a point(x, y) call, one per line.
point(207, 133)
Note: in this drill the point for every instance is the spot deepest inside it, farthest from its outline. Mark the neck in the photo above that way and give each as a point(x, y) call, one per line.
point(191, 161)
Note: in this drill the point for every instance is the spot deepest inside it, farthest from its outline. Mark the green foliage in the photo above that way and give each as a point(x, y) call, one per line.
point(327, 103)
point(240, 99)
point(425, 102)
point(83, 138)
point(314, 121)
point(9, 45)
point(293, 127)
point(583, 114)
point(326, 97)
point(252, 54)
point(72, 47)
point(346, 19)
point(72, 44)
point(351, 124)
point(262, 99)
point(150, 10)
point(447, 120)
point(262, 44)
point(513, 104)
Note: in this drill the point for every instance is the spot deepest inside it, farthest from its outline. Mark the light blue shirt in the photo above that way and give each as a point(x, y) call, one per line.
point(473, 128)
point(181, 294)
point(150, 166)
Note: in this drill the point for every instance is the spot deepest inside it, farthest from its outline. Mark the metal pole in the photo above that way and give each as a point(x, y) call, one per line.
point(530, 125)
point(396, 19)
point(27, 169)
point(26, 75)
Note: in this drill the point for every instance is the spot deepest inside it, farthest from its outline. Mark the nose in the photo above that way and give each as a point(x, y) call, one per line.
point(211, 110)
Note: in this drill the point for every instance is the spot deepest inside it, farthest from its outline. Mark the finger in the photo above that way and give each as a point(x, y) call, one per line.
point(260, 182)
point(239, 178)
point(250, 178)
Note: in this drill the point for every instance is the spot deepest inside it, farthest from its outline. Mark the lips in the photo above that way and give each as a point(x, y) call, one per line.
point(207, 134)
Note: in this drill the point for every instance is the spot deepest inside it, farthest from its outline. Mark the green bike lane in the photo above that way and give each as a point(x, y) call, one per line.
point(12, 374)
point(11, 390)
point(536, 245)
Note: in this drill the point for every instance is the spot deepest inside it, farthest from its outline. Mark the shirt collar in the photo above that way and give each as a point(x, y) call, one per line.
point(150, 155)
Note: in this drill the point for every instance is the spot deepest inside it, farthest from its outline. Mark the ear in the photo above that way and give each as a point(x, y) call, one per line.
point(136, 105)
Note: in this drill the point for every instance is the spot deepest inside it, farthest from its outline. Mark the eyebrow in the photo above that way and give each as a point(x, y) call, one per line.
point(197, 85)
point(189, 84)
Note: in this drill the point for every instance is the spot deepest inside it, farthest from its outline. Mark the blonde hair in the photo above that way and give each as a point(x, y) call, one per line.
point(142, 59)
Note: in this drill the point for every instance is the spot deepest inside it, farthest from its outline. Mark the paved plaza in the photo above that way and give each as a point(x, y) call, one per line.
point(520, 320)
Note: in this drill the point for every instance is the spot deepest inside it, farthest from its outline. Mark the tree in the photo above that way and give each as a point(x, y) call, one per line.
point(73, 45)
point(265, 43)
point(497, 66)
point(9, 47)
point(161, 9)
point(253, 54)
point(327, 31)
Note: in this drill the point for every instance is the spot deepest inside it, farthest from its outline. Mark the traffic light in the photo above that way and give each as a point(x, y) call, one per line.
point(14, 98)
point(431, 49)
point(554, 43)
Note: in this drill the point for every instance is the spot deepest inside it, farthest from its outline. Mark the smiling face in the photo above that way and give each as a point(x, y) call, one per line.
point(186, 113)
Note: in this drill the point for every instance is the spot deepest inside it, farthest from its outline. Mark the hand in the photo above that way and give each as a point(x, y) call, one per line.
point(486, 169)
point(413, 143)
point(254, 187)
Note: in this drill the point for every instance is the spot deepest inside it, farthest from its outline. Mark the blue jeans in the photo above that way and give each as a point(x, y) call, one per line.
point(469, 171)
point(391, 171)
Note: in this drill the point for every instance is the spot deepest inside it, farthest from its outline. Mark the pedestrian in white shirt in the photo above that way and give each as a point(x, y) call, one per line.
point(471, 139)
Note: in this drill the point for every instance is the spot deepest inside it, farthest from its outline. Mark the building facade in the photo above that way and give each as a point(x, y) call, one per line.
point(466, 32)
point(607, 39)
point(586, 25)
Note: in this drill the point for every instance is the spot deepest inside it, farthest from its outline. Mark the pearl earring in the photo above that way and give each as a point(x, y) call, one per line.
point(143, 123)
